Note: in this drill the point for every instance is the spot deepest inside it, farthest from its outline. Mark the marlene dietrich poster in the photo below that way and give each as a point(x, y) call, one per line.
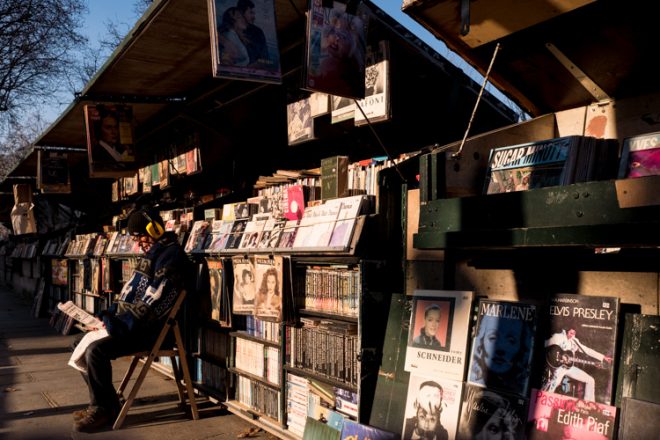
point(244, 40)
point(110, 146)
point(336, 50)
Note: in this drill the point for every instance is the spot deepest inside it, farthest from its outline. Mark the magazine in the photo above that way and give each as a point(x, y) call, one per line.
point(244, 285)
point(640, 156)
point(269, 288)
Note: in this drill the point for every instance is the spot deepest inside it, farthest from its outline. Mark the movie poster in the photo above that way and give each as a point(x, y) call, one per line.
point(553, 416)
point(503, 346)
point(432, 408)
point(216, 287)
point(110, 145)
point(244, 285)
point(580, 347)
point(336, 50)
point(244, 40)
point(438, 334)
point(486, 412)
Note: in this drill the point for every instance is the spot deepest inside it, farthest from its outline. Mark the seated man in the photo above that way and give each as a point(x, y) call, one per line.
point(134, 321)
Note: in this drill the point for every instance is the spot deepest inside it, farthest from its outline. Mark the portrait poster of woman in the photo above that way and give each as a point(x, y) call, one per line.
point(438, 333)
point(503, 346)
point(215, 287)
point(486, 414)
point(110, 147)
point(269, 288)
point(335, 50)
point(244, 40)
point(244, 285)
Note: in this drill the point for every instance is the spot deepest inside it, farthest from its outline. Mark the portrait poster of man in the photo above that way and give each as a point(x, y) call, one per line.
point(244, 285)
point(53, 172)
point(110, 146)
point(300, 124)
point(438, 333)
point(580, 344)
point(432, 408)
point(269, 288)
point(376, 102)
point(244, 40)
point(336, 49)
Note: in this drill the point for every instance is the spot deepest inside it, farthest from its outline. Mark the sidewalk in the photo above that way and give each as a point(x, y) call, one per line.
point(38, 391)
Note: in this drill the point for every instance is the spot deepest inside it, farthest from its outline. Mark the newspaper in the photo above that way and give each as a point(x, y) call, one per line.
point(80, 315)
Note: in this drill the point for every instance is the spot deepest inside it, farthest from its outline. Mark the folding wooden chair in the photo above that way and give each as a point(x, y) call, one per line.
point(181, 374)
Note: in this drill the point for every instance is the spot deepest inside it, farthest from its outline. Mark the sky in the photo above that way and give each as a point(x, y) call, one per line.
point(122, 11)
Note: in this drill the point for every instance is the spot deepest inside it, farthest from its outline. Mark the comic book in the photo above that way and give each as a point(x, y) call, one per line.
point(438, 334)
point(502, 348)
point(553, 416)
point(579, 346)
point(486, 411)
point(432, 399)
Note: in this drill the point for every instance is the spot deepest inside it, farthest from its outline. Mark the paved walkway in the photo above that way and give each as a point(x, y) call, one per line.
point(38, 391)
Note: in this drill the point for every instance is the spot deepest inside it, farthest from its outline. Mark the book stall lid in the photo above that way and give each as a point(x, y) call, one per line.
point(596, 38)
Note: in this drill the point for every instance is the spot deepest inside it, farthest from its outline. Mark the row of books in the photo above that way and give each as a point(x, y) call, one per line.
point(571, 159)
point(567, 382)
point(259, 397)
point(257, 359)
point(333, 289)
point(24, 250)
point(268, 331)
point(326, 348)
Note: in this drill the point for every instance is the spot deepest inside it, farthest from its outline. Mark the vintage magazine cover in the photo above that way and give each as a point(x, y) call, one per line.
point(436, 401)
point(484, 412)
point(319, 104)
point(503, 345)
point(53, 172)
point(110, 145)
point(216, 287)
point(376, 102)
point(341, 109)
point(244, 285)
point(438, 334)
point(580, 346)
point(640, 156)
point(244, 40)
point(335, 50)
point(553, 416)
point(531, 165)
point(300, 123)
point(269, 287)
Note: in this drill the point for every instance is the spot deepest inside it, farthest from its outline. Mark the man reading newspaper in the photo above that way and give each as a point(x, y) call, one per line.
point(134, 321)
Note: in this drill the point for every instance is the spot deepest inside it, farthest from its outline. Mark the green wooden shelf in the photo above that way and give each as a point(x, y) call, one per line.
point(592, 214)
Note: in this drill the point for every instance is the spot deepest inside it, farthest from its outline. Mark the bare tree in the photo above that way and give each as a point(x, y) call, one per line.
point(38, 39)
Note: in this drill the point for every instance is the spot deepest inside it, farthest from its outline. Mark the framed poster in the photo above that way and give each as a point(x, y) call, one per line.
point(244, 40)
point(53, 173)
point(110, 146)
point(336, 49)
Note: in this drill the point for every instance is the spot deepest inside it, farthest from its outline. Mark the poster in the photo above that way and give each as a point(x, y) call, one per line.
point(110, 145)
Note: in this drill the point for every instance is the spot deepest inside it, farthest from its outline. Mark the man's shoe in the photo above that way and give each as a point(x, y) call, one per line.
point(95, 419)
point(77, 415)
